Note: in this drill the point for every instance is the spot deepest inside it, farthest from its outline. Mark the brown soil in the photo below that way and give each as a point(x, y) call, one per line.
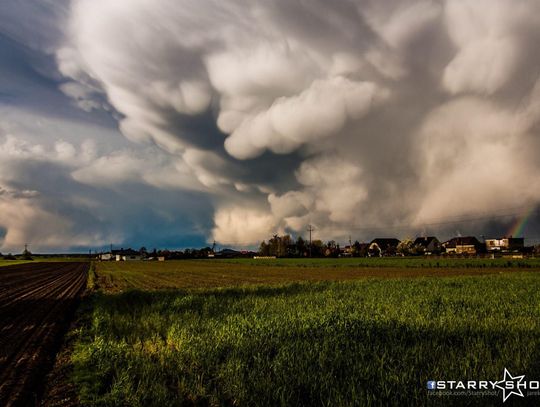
point(37, 301)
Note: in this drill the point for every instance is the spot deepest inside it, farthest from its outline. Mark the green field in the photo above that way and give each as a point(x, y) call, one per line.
point(201, 274)
point(369, 336)
point(400, 262)
point(40, 259)
point(12, 262)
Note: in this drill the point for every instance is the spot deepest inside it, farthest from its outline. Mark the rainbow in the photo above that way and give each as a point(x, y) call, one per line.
point(517, 228)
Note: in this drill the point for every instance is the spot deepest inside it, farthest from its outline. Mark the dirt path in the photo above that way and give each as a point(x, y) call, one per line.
point(36, 303)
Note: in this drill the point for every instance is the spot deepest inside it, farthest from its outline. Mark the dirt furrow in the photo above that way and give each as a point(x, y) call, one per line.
point(33, 324)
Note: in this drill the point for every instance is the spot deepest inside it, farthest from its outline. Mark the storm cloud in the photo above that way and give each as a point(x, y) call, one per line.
point(277, 114)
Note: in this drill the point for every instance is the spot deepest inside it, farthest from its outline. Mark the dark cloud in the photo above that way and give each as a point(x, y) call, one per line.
point(270, 115)
point(56, 209)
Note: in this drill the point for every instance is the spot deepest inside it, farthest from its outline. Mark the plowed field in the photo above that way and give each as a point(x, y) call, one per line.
point(36, 303)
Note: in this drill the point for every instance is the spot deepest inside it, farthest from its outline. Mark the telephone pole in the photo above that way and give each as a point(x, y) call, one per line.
point(310, 229)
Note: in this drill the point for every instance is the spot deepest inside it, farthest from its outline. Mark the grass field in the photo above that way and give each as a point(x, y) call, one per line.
point(11, 262)
point(394, 262)
point(163, 334)
point(42, 260)
point(201, 274)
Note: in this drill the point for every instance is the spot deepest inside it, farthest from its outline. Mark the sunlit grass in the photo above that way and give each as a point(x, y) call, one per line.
point(365, 342)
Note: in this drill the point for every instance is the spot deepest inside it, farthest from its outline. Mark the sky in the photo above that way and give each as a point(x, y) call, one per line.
point(177, 123)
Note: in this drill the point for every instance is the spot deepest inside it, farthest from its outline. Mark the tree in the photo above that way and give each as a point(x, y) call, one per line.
point(405, 247)
point(317, 248)
point(285, 243)
point(264, 249)
point(280, 246)
point(301, 248)
point(331, 249)
point(359, 250)
point(26, 255)
point(273, 244)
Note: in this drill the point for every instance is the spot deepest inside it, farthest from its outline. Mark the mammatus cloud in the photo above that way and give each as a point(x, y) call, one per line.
point(319, 112)
point(489, 41)
point(283, 114)
point(275, 83)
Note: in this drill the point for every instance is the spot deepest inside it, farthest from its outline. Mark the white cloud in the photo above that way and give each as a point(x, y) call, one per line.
point(242, 227)
point(397, 25)
point(340, 115)
point(321, 111)
point(475, 160)
point(487, 36)
point(26, 222)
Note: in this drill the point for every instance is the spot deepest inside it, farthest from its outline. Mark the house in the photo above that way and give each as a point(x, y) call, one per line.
point(428, 244)
point(356, 250)
point(120, 255)
point(106, 256)
point(505, 244)
point(468, 245)
point(228, 254)
point(128, 255)
point(383, 247)
point(346, 251)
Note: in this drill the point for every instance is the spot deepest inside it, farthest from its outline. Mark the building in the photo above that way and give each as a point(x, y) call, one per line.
point(429, 244)
point(106, 256)
point(468, 245)
point(383, 247)
point(121, 255)
point(505, 244)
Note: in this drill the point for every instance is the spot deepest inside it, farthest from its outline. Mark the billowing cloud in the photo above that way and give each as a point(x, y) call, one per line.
point(320, 111)
point(489, 37)
point(242, 227)
point(56, 194)
point(476, 154)
point(352, 115)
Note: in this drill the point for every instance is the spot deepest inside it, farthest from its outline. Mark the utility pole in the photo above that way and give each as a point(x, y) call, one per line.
point(310, 229)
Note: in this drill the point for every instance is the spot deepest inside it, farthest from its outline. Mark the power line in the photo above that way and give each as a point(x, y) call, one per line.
point(310, 229)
